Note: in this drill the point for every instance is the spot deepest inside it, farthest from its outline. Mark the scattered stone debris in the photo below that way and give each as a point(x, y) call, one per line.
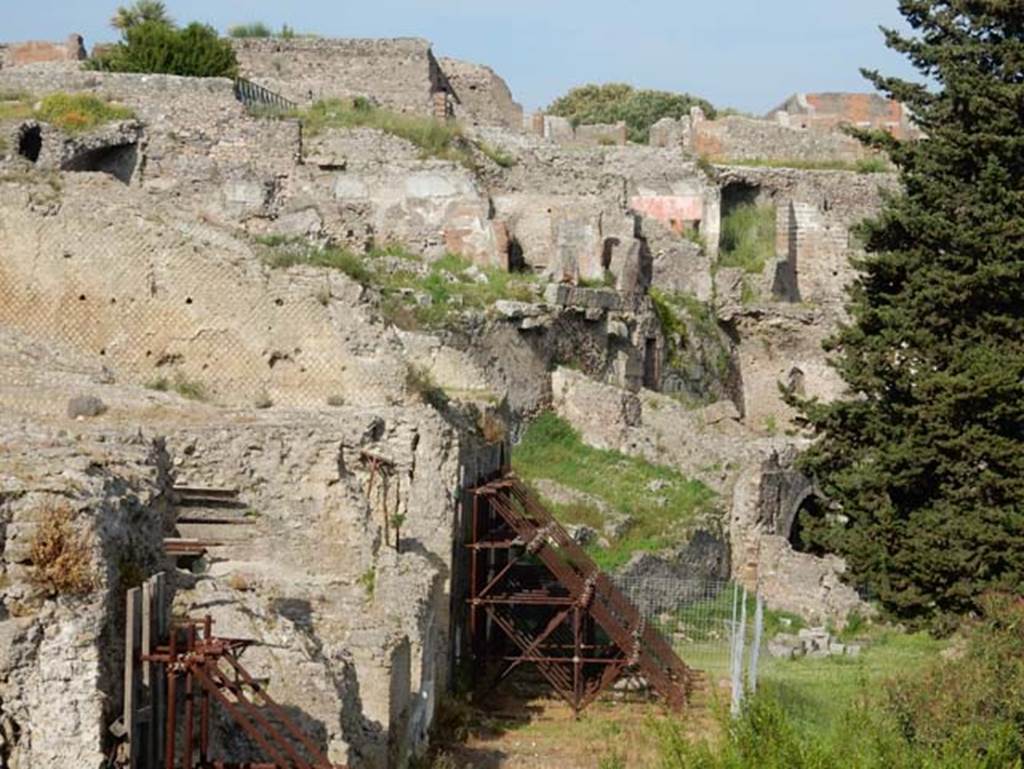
point(815, 642)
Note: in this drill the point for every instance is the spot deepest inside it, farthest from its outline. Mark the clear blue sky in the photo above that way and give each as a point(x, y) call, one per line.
point(748, 54)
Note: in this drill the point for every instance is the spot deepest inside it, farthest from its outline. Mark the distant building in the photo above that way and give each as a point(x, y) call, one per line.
point(829, 111)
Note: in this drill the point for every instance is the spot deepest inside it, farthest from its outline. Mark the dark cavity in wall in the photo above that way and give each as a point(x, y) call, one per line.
point(30, 142)
point(516, 260)
point(118, 160)
point(738, 194)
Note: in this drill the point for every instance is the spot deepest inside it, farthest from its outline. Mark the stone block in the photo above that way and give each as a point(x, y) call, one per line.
point(86, 406)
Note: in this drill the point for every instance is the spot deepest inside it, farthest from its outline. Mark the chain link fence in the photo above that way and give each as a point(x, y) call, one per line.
point(715, 626)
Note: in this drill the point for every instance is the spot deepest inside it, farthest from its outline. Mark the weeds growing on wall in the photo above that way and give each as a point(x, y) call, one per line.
point(413, 294)
point(748, 238)
point(435, 139)
point(551, 449)
point(258, 29)
point(70, 112)
point(61, 556)
point(79, 111)
point(875, 164)
point(444, 140)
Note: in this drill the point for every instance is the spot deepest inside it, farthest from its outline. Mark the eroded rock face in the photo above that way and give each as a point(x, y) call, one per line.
point(60, 652)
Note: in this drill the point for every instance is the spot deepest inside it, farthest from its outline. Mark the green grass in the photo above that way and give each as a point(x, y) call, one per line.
point(816, 693)
point(498, 156)
point(441, 139)
point(186, 388)
point(870, 165)
point(79, 111)
point(259, 29)
point(748, 238)
point(434, 138)
point(449, 286)
point(15, 105)
point(551, 449)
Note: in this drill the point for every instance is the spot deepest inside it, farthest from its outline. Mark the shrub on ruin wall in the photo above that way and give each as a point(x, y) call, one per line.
point(639, 109)
point(79, 111)
point(153, 47)
point(60, 554)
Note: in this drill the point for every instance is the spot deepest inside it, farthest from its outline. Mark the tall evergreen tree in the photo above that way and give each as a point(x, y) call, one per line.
point(924, 460)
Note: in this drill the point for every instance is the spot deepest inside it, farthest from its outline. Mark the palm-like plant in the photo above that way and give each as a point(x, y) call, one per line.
point(140, 12)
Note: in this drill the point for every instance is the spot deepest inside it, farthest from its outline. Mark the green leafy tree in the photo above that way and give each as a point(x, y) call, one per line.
point(193, 51)
point(612, 102)
point(924, 460)
point(140, 12)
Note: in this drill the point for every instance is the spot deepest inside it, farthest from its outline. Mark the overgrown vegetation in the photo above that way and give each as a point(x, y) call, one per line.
point(876, 164)
point(748, 237)
point(150, 42)
point(414, 294)
point(551, 449)
point(252, 29)
point(259, 29)
point(684, 319)
point(925, 457)
point(61, 556)
point(902, 706)
point(79, 111)
point(434, 138)
point(70, 112)
point(614, 102)
point(180, 384)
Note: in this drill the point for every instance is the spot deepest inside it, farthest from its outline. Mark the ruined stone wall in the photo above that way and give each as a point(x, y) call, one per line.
point(561, 131)
point(740, 138)
point(816, 211)
point(60, 653)
point(38, 52)
point(364, 187)
point(483, 98)
point(830, 111)
point(200, 144)
point(399, 74)
point(572, 211)
point(356, 635)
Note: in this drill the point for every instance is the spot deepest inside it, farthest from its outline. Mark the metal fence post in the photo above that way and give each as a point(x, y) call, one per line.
point(755, 653)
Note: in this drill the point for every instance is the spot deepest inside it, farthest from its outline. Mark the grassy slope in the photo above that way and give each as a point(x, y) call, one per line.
point(552, 450)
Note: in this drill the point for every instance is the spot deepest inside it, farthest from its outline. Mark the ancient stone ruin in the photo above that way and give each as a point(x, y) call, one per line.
point(157, 335)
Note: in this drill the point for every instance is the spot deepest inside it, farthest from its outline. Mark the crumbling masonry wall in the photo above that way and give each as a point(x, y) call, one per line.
point(399, 74)
point(60, 674)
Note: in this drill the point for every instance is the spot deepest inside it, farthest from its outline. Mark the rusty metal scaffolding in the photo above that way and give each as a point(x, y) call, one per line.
point(202, 670)
point(536, 598)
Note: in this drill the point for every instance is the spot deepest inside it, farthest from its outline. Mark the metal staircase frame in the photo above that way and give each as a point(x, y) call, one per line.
point(537, 598)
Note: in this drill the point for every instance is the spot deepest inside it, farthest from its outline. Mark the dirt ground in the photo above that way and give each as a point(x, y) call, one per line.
point(515, 731)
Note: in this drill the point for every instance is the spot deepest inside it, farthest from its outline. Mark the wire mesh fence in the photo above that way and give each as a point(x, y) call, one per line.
point(715, 626)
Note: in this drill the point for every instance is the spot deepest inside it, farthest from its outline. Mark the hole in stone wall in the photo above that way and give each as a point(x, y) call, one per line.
point(516, 259)
point(119, 161)
point(608, 252)
point(652, 365)
point(30, 142)
point(738, 194)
